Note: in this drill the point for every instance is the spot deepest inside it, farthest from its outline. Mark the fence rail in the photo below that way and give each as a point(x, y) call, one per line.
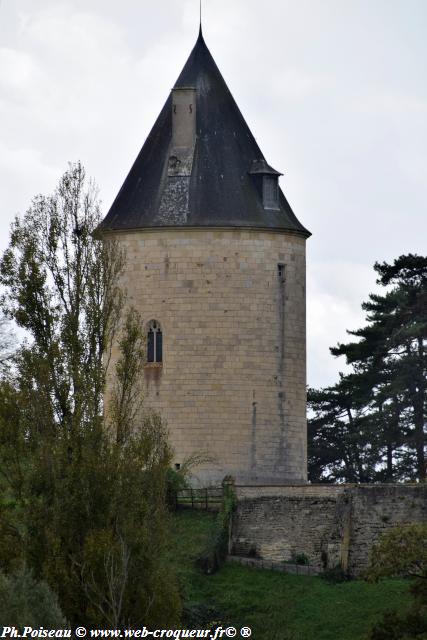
point(209, 498)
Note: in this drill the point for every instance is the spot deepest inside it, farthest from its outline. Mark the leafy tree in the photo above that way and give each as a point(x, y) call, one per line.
point(387, 389)
point(61, 286)
point(402, 551)
point(84, 503)
point(25, 602)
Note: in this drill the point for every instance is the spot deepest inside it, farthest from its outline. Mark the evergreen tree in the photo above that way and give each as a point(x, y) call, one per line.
point(343, 442)
point(388, 384)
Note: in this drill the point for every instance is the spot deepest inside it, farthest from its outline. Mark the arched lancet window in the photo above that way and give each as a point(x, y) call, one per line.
point(154, 342)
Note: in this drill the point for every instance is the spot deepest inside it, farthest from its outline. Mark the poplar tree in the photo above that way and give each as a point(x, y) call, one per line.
point(83, 493)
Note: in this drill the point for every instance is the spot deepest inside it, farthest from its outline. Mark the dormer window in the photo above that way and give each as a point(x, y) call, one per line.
point(270, 192)
point(154, 342)
point(266, 180)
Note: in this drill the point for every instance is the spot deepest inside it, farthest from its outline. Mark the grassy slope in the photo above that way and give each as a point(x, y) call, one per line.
point(275, 605)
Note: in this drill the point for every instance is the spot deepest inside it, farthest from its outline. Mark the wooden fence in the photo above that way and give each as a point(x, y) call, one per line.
point(209, 499)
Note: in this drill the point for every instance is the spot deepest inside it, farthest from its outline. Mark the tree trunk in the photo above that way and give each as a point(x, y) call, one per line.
point(419, 414)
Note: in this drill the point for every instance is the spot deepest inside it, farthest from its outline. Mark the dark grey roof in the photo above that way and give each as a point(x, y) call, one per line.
point(261, 168)
point(219, 190)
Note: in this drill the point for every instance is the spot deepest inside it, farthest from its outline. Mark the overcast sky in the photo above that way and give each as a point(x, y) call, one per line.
point(335, 92)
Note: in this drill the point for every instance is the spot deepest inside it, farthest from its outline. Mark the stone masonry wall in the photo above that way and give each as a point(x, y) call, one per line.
point(376, 509)
point(232, 381)
point(331, 525)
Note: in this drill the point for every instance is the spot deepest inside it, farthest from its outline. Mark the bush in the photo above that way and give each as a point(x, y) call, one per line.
point(217, 546)
point(202, 616)
point(412, 626)
point(301, 559)
point(402, 551)
point(335, 575)
point(26, 602)
point(175, 482)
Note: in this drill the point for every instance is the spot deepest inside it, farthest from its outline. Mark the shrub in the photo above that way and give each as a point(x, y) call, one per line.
point(217, 546)
point(335, 575)
point(26, 602)
point(301, 559)
point(412, 626)
point(175, 482)
point(202, 616)
point(402, 551)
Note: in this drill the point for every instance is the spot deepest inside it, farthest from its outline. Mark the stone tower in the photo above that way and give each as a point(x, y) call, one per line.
point(216, 267)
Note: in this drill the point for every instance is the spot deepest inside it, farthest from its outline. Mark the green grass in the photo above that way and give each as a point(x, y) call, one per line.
point(275, 605)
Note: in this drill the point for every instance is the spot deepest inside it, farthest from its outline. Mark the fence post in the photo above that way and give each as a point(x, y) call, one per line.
point(192, 499)
point(206, 495)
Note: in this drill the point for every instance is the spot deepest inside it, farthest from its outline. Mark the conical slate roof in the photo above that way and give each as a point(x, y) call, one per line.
point(221, 189)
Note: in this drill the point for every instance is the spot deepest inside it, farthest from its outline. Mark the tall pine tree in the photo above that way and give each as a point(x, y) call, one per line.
point(388, 387)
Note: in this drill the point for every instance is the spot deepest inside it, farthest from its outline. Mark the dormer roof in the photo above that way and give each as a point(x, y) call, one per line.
point(261, 168)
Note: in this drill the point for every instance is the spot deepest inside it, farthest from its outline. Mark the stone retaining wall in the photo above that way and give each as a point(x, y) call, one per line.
point(331, 525)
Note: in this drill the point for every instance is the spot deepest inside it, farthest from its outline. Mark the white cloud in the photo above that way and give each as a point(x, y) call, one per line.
point(296, 84)
point(396, 104)
point(18, 71)
point(347, 124)
point(335, 292)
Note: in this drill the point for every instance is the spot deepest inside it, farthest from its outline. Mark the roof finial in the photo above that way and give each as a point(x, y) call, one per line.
point(200, 17)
